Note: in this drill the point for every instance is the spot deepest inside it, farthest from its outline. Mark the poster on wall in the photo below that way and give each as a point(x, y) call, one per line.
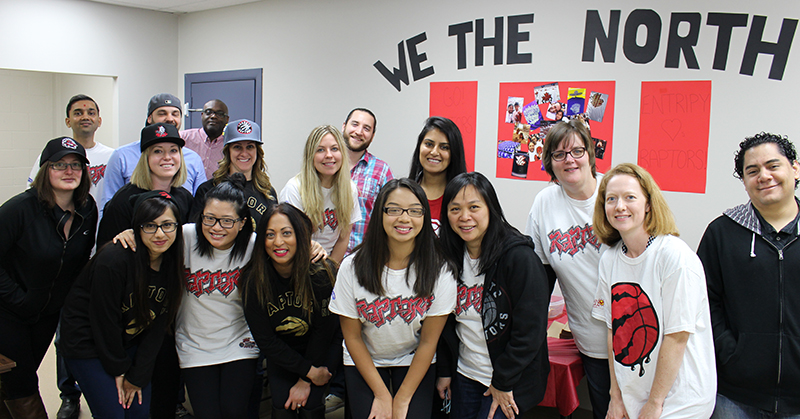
point(458, 101)
point(673, 133)
point(520, 142)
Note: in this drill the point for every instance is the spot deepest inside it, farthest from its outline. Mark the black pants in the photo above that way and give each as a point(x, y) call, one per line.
point(166, 381)
point(222, 390)
point(360, 396)
point(281, 381)
point(26, 344)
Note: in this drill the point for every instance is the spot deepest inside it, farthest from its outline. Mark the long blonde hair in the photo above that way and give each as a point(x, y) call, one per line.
point(342, 194)
point(142, 175)
point(258, 173)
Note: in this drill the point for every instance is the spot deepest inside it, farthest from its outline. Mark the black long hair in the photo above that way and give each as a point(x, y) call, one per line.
point(171, 262)
point(231, 191)
point(458, 163)
point(259, 274)
point(373, 253)
point(497, 232)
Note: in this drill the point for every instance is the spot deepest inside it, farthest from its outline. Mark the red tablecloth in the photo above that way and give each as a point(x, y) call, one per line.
point(566, 371)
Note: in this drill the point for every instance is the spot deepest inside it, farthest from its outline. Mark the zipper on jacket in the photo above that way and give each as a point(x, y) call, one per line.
point(61, 259)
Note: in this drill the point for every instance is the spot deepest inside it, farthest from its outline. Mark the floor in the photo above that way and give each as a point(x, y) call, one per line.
point(49, 391)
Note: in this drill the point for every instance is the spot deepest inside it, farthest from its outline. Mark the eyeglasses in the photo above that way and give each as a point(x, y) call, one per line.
point(397, 211)
point(576, 153)
point(151, 228)
point(210, 221)
point(219, 114)
point(60, 166)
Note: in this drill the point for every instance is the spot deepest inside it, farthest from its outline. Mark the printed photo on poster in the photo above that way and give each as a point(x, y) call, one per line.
point(533, 115)
point(555, 111)
point(576, 98)
point(597, 106)
point(547, 93)
point(514, 110)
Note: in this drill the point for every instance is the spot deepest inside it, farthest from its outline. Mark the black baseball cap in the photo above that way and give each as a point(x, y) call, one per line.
point(60, 147)
point(160, 133)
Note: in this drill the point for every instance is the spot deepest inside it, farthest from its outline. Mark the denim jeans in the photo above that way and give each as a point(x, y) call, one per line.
point(729, 409)
point(469, 401)
point(100, 390)
point(64, 378)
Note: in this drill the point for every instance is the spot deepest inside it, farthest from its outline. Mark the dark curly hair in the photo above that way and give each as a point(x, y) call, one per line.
point(784, 146)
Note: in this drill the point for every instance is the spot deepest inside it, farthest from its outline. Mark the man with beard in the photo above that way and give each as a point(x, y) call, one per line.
point(368, 172)
point(165, 108)
point(207, 141)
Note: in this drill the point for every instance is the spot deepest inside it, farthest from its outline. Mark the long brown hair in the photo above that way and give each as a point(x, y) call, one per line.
point(258, 174)
point(45, 190)
point(259, 274)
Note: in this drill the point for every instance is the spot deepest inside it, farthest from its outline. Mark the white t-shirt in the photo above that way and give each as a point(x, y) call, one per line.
point(390, 324)
point(98, 159)
point(473, 354)
point(561, 229)
point(210, 327)
point(663, 291)
point(328, 234)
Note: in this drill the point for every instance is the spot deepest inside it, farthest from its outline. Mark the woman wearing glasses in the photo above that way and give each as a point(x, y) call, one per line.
point(494, 349)
point(216, 350)
point(393, 297)
point(160, 168)
point(116, 314)
point(560, 223)
point(324, 191)
point(286, 300)
point(243, 154)
point(46, 234)
point(438, 158)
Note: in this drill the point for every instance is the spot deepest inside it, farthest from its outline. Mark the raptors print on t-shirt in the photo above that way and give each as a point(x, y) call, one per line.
point(634, 325)
point(574, 240)
point(205, 282)
point(382, 309)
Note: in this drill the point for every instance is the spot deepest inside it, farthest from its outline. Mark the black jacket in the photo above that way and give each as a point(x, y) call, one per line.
point(37, 263)
point(753, 293)
point(514, 309)
point(98, 320)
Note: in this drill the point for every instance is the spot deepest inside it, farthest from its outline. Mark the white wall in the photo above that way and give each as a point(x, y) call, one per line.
point(138, 47)
point(318, 64)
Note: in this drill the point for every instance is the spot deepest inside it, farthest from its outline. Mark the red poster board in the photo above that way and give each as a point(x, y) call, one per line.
point(458, 101)
point(673, 133)
point(602, 130)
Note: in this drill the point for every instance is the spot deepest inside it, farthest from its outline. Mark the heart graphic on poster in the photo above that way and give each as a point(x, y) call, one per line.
point(672, 127)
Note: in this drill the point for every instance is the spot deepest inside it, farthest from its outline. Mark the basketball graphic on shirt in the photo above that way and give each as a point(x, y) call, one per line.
point(634, 325)
point(489, 311)
point(292, 326)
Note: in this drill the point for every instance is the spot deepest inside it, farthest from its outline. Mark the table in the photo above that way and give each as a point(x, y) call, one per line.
point(6, 364)
point(566, 371)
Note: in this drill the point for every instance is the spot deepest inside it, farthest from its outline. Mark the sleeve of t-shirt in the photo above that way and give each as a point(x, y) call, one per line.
point(113, 180)
point(444, 301)
point(601, 310)
point(532, 230)
point(682, 289)
point(34, 170)
point(291, 194)
point(357, 216)
point(343, 296)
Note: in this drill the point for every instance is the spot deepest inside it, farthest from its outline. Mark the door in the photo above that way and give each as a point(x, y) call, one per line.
point(239, 89)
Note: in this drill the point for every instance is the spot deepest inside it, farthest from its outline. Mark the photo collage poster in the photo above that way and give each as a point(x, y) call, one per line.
point(529, 110)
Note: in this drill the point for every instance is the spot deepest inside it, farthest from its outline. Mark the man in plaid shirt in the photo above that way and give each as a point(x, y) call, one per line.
point(368, 172)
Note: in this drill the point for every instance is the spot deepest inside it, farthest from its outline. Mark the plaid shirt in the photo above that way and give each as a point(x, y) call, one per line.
point(369, 175)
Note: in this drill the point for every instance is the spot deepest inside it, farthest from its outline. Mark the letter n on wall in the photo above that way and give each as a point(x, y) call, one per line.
point(458, 101)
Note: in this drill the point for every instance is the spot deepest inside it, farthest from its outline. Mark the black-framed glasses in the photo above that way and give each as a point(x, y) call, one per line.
point(219, 114)
point(397, 211)
point(151, 228)
point(226, 223)
point(576, 153)
point(61, 166)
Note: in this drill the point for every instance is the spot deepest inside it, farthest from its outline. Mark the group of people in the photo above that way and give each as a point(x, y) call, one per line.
point(410, 297)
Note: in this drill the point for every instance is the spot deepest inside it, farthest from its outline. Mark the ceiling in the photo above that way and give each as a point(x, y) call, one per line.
point(176, 6)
